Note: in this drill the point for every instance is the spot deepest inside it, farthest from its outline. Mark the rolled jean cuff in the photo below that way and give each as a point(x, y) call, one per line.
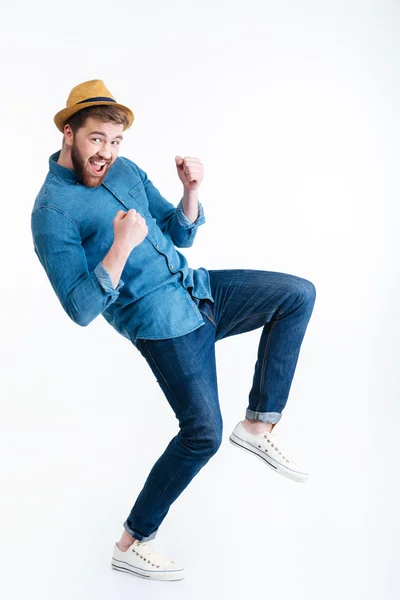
point(138, 535)
point(270, 417)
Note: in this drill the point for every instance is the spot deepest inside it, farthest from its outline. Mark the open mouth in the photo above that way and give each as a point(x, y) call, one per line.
point(97, 167)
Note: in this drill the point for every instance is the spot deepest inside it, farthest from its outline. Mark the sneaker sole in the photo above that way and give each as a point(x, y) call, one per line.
point(293, 475)
point(161, 576)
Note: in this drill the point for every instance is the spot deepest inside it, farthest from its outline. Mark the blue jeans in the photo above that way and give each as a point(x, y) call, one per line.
point(185, 368)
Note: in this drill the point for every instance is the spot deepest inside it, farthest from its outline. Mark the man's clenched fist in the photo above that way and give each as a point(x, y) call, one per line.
point(190, 171)
point(130, 229)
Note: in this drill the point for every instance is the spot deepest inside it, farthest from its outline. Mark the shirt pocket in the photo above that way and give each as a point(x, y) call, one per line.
point(137, 199)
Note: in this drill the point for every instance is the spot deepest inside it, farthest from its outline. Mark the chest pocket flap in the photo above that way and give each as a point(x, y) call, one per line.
point(138, 200)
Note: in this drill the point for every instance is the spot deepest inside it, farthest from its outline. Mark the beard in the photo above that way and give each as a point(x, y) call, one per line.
point(84, 170)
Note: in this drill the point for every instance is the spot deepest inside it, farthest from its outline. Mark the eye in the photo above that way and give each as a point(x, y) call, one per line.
point(117, 142)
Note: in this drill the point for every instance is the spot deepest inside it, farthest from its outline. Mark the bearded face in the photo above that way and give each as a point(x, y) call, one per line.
point(91, 171)
point(94, 148)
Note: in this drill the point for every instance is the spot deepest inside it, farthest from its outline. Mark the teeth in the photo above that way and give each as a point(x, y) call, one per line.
point(98, 163)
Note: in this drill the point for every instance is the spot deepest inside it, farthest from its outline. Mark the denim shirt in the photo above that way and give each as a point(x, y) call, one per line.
point(158, 294)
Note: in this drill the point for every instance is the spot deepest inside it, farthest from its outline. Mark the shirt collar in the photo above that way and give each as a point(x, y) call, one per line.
point(59, 171)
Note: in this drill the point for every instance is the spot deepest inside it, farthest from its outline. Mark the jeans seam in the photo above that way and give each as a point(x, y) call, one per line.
point(159, 370)
point(262, 375)
point(172, 478)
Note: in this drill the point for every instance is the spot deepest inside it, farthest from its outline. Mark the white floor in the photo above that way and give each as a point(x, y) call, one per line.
point(239, 528)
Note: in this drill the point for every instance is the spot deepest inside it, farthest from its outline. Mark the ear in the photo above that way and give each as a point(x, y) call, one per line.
point(68, 136)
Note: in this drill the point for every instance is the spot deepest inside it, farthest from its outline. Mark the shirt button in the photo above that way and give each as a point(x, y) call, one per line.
point(157, 246)
point(171, 267)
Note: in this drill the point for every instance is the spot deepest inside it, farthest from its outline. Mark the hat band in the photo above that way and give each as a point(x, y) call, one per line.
point(97, 99)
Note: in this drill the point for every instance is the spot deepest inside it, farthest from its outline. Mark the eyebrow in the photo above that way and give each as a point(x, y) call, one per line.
point(101, 133)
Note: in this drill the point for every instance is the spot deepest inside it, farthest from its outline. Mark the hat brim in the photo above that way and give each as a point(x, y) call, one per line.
point(63, 115)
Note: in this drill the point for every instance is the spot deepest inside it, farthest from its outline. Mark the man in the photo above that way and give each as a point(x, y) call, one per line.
point(107, 240)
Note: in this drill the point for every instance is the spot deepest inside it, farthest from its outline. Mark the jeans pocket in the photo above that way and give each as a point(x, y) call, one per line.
point(207, 310)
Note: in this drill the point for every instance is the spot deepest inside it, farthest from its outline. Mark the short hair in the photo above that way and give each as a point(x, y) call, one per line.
point(102, 112)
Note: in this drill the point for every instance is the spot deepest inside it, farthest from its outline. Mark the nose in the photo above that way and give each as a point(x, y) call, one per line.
point(105, 152)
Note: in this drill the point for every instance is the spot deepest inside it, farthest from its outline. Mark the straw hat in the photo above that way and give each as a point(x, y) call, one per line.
point(88, 93)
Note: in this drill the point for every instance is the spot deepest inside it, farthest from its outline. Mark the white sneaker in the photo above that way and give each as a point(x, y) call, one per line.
point(266, 445)
point(142, 560)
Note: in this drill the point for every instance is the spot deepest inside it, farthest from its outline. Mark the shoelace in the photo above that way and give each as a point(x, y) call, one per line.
point(272, 437)
point(147, 554)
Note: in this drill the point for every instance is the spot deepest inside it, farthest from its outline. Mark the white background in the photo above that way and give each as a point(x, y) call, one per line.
point(293, 108)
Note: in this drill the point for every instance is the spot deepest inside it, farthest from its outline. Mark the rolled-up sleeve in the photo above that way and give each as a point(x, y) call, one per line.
point(184, 221)
point(58, 245)
point(170, 219)
point(105, 280)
